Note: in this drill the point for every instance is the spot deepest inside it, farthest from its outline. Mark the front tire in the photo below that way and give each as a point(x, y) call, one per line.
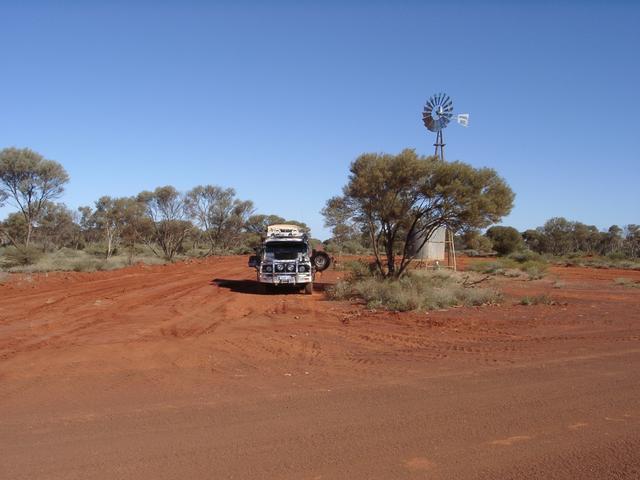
point(308, 288)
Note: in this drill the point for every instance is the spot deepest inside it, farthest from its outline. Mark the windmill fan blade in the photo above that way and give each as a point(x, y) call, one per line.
point(438, 113)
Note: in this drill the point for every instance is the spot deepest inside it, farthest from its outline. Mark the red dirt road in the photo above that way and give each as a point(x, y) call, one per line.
point(185, 371)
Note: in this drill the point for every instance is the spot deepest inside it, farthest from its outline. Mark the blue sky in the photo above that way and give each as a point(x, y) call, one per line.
point(277, 99)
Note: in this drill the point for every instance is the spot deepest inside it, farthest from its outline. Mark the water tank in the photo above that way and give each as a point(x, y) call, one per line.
point(434, 248)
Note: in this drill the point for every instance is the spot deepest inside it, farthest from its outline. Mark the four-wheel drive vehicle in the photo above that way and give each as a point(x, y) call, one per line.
point(285, 257)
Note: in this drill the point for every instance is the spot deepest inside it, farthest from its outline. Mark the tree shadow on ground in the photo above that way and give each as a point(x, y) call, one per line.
point(254, 288)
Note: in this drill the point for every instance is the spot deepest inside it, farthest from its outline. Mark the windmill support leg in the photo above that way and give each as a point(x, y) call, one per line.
point(439, 145)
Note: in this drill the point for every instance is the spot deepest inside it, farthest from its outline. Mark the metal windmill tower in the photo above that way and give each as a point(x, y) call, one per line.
point(437, 113)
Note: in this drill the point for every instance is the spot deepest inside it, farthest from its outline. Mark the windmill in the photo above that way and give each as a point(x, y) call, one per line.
point(437, 113)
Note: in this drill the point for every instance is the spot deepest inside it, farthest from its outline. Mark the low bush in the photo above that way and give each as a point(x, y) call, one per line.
point(531, 264)
point(542, 299)
point(17, 257)
point(559, 284)
point(418, 290)
point(596, 262)
point(626, 282)
point(67, 259)
point(359, 269)
point(505, 240)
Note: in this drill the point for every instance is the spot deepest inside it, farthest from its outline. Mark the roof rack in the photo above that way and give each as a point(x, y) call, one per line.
point(285, 231)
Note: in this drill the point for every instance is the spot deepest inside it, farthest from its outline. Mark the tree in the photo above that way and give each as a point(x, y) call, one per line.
point(400, 200)
point(218, 213)
point(473, 240)
point(613, 239)
point(534, 240)
point(505, 240)
point(258, 224)
point(337, 216)
point(56, 227)
point(585, 237)
point(86, 222)
point(29, 180)
point(133, 222)
point(632, 240)
point(107, 217)
point(165, 206)
point(13, 228)
point(557, 236)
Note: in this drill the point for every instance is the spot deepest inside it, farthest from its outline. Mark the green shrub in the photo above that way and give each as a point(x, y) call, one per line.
point(534, 269)
point(418, 290)
point(17, 257)
point(67, 259)
point(340, 291)
point(505, 240)
point(526, 256)
point(529, 263)
point(491, 268)
point(360, 269)
point(99, 250)
point(597, 262)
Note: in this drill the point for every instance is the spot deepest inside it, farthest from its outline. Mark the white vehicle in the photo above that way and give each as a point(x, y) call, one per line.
point(286, 258)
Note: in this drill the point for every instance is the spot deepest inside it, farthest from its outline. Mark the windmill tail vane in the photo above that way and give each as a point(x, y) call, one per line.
point(463, 119)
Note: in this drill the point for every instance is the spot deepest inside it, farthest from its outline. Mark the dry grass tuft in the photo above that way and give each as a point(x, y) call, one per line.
point(418, 290)
point(626, 282)
point(67, 259)
point(526, 265)
point(542, 299)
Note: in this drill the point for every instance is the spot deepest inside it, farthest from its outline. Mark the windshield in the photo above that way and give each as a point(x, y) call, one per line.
point(285, 250)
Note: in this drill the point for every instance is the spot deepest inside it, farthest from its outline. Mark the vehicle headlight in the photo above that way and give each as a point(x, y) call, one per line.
point(303, 268)
point(267, 268)
point(291, 267)
point(279, 267)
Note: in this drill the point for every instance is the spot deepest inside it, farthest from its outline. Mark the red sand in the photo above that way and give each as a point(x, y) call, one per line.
point(186, 371)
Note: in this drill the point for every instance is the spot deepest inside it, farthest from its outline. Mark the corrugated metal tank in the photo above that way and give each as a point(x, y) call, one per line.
point(434, 248)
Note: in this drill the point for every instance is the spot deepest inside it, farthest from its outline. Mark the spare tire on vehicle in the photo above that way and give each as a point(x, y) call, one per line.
point(321, 260)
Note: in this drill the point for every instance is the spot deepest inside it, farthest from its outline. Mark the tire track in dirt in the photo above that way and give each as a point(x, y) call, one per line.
point(212, 305)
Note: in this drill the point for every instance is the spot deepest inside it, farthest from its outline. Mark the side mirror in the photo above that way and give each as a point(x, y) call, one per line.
point(254, 261)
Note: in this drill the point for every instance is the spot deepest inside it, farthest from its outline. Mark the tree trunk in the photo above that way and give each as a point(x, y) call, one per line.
point(29, 230)
point(108, 245)
point(391, 258)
